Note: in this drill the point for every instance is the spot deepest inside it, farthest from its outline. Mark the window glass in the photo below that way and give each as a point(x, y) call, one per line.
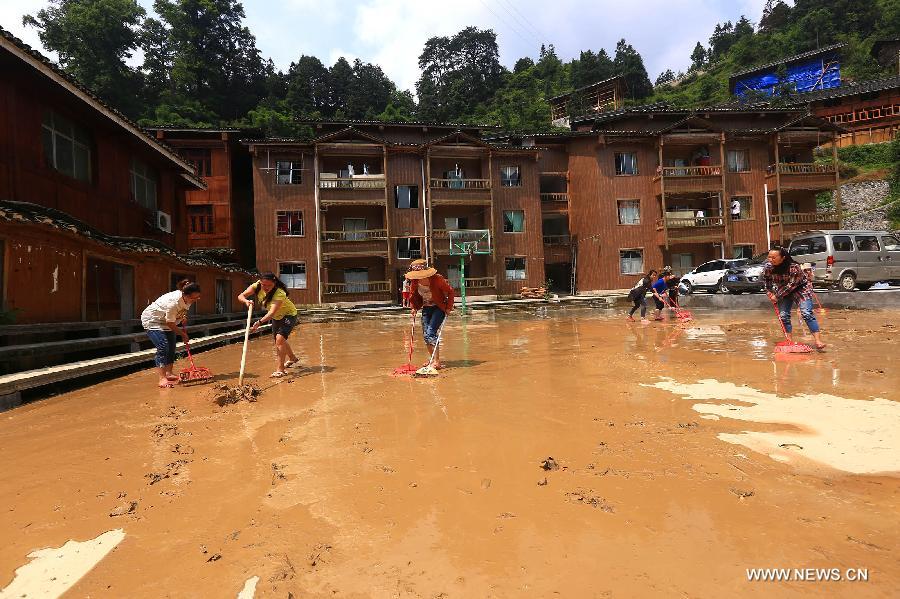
point(631, 262)
point(290, 223)
point(406, 196)
point(353, 229)
point(293, 274)
point(513, 221)
point(817, 245)
point(799, 247)
point(357, 280)
point(842, 243)
point(626, 163)
point(891, 243)
point(67, 147)
point(200, 217)
point(743, 252)
point(629, 212)
point(515, 269)
point(510, 176)
point(202, 159)
point(867, 243)
point(456, 222)
point(288, 172)
point(409, 248)
point(744, 207)
point(143, 185)
point(738, 161)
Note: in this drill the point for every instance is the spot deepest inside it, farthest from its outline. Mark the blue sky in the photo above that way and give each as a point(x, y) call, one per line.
point(392, 32)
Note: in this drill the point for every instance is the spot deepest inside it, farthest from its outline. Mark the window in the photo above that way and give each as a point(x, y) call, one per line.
point(682, 263)
point(409, 248)
point(356, 280)
point(143, 185)
point(867, 243)
point(201, 158)
point(631, 262)
point(513, 221)
point(743, 209)
point(288, 172)
point(842, 243)
point(293, 274)
point(515, 269)
point(738, 161)
point(353, 229)
point(510, 176)
point(891, 243)
point(817, 245)
point(799, 247)
point(743, 252)
point(406, 196)
point(290, 223)
point(456, 222)
point(629, 212)
point(626, 163)
point(67, 147)
point(201, 218)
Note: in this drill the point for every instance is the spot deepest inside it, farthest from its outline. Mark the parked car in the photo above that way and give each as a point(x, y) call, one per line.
point(747, 277)
point(709, 275)
point(849, 258)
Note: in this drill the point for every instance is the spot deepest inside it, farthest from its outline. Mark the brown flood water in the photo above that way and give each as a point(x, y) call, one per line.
point(686, 455)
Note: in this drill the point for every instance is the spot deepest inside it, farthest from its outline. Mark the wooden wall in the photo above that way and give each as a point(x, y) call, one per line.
point(270, 198)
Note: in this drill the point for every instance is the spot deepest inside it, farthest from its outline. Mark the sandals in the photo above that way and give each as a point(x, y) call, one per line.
point(278, 374)
point(167, 386)
point(290, 363)
point(821, 347)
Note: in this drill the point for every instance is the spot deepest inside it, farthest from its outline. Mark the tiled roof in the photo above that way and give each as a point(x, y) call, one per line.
point(363, 122)
point(40, 62)
point(28, 213)
point(843, 91)
point(787, 60)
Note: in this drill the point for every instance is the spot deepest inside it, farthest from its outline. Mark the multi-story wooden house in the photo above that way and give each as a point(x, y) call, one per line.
point(93, 222)
point(341, 216)
point(645, 187)
point(219, 217)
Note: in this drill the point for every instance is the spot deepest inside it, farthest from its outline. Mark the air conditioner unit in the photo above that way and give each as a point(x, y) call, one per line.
point(163, 221)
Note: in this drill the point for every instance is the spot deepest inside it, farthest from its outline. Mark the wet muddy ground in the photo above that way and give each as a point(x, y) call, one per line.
point(561, 453)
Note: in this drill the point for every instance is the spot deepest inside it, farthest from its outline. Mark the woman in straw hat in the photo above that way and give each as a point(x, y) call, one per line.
point(433, 295)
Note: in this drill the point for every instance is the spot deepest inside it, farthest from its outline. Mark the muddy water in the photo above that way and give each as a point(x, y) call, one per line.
point(685, 456)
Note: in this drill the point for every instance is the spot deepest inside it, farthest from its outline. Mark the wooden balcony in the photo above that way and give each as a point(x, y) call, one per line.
point(557, 239)
point(371, 291)
point(555, 202)
point(352, 191)
point(802, 175)
point(459, 192)
point(680, 179)
point(690, 230)
point(550, 198)
point(477, 285)
point(557, 249)
point(785, 225)
point(340, 244)
point(356, 182)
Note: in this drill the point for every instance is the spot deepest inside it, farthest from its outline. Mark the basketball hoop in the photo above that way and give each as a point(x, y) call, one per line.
point(466, 243)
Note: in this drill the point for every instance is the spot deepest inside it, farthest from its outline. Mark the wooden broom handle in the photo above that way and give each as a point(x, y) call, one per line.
point(246, 339)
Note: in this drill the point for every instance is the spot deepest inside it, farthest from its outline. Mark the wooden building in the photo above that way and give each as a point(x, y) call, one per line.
point(595, 98)
point(645, 187)
point(93, 222)
point(341, 216)
point(219, 217)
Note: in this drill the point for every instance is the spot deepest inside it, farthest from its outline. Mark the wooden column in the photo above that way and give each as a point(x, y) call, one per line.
point(662, 190)
point(838, 206)
point(778, 191)
point(426, 197)
point(726, 205)
point(389, 261)
point(320, 226)
point(490, 179)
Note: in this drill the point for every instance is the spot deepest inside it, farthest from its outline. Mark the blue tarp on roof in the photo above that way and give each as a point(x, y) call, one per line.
point(821, 73)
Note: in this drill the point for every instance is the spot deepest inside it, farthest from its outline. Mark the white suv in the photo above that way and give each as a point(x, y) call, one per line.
point(709, 275)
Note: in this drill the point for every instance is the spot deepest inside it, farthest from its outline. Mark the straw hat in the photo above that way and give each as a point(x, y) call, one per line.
point(419, 269)
point(418, 261)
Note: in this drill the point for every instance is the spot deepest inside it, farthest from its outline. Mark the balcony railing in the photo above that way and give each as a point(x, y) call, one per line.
point(357, 182)
point(460, 183)
point(803, 218)
point(476, 282)
point(677, 223)
point(692, 171)
point(554, 197)
point(364, 235)
point(557, 240)
point(361, 287)
point(802, 168)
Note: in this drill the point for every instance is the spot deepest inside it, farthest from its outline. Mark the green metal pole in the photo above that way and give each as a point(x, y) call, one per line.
point(462, 281)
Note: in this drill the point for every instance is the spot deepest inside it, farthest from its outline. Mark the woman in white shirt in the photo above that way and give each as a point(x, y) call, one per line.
point(161, 319)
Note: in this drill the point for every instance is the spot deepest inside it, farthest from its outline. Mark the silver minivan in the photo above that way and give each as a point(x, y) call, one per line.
point(849, 258)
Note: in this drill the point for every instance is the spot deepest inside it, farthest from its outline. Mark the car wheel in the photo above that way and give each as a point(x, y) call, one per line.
point(688, 288)
point(863, 286)
point(723, 287)
point(847, 282)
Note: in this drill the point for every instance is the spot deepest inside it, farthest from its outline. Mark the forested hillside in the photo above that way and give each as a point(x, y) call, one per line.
point(201, 66)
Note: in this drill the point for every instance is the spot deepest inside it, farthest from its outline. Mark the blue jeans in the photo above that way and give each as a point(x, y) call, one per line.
point(165, 346)
point(432, 318)
point(785, 305)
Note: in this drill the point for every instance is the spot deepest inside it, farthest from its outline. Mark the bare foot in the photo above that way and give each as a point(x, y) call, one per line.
point(166, 384)
point(172, 377)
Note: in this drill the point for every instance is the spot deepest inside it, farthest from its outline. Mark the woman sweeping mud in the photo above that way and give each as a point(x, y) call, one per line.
point(433, 295)
point(271, 294)
point(786, 284)
point(638, 295)
point(161, 320)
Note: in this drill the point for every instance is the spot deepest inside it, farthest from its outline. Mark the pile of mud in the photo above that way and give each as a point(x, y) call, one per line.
point(231, 394)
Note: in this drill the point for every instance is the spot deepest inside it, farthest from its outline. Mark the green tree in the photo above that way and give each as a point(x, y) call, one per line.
point(590, 68)
point(370, 92)
point(340, 80)
point(93, 39)
point(307, 86)
point(698, 57)
point(630, 65)
point(665, 77)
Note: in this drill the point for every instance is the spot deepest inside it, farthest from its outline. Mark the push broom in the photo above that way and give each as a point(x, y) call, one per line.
point(408, 368)
point(193, 374)
point(428, 369)
point(787, 346)
point(682, 315)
